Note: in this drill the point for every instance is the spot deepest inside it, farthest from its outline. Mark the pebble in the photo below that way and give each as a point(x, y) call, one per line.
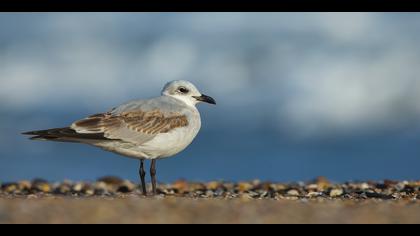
point(244, 187)
point(101, 188)
point(24, 185)
point(313, 187)
point(400, 186)
point(364, 186)
point(89, 192)
point(111, 180)
point(9, 187)
point(64, 188)
point(78, 187)
point(126, 187)
point(320, 189)
point(213, 185)
point(322, 183)
point(40, 185)
point(209, 193)
point(180, 186)
point(293, 192)
point(336, 192)
point(314, 194)
point(219, 192)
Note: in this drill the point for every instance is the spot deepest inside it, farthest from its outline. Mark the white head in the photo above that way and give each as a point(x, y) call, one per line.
point(186, 92)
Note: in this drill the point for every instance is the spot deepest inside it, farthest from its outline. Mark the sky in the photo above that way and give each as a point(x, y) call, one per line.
point(299, 95)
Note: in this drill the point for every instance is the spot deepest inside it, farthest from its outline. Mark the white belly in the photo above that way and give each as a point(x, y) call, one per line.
point(162, 146)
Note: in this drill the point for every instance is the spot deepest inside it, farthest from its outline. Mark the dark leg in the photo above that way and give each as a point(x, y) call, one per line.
point(153, 175)
point(142, 175)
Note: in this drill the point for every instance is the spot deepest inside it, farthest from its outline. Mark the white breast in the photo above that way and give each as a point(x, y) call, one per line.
point(168, 144)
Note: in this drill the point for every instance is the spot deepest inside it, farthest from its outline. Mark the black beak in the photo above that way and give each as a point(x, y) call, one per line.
point(205, 98)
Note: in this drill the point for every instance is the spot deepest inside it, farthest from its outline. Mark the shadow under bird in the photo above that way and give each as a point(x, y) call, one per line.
point(148, 129)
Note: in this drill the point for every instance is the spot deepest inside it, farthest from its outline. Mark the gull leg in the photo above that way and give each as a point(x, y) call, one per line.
point(142, 177)
point(153, 175)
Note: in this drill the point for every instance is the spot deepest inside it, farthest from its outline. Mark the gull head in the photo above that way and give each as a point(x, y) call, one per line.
point(186, 92)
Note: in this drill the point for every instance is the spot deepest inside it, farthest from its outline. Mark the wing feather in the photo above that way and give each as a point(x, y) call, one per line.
point(132, 126)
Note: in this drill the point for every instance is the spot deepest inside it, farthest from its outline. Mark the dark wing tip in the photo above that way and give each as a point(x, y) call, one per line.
point(62, 134)
point(29, 133)
point(38, 138)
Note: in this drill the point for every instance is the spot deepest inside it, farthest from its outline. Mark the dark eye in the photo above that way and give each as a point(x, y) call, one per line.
point(183, 90)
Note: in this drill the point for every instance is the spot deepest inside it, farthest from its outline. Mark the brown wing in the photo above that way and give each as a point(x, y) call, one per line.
point(133, 126)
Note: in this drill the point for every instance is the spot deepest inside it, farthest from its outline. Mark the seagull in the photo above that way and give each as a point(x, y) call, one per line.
point(148, 129)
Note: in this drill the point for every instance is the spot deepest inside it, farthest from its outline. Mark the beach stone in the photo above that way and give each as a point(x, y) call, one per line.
point(390, 183)
point(219, 192)
point(209, 193)
point(39, 181)
point(313, 187)
point(253, 194)
point(101, 188)
point(213, 185)
point(78, 187)
point(336, 192)
point(63, 188)
point(24, 185)
point(245, 197)
point(314, 194)
point(265, 186)
point(45, 188)
point(364, 186)
point(197, 187)
point(89, 192)
point(409, 189)
point(167, 191)
point(401, 185)
point(40, 185)
point(322, 183)
point(244, 186)
point(180, 186)
point(10, 187)
point(111, 180)
point(293, 192)
point(126, 187)
point(263, 194)
point(279, 187)
point(111, 186)
point(228, 187)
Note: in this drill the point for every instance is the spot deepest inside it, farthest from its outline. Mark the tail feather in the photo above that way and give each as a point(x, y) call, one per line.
point(63, 135)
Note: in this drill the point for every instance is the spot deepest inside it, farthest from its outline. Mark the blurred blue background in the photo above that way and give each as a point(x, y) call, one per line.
point(299, 95)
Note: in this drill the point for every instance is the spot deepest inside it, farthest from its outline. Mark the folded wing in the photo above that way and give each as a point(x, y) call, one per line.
point(134, 126)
